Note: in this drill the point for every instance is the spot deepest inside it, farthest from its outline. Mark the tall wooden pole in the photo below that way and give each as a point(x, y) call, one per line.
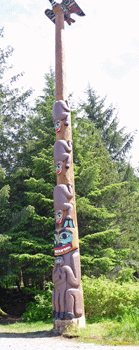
point(67, 175)
point(67, 297)
point(60, 66)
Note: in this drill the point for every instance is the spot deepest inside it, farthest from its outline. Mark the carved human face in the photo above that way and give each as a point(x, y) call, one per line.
point(59, 217)
point(63, 241)
point(57, 125)
point(58, 168)
point(59, 261)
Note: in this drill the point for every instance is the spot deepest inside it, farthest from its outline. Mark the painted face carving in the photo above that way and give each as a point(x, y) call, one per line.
point(68, 223)
point(57, 125)
point(59, 217)
point(62, 241)
point(59, 261)
point(58, 167)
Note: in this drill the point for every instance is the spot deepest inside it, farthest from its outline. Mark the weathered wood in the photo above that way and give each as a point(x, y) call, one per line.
point(67, 295)
point(67, 176)
point(60, 67)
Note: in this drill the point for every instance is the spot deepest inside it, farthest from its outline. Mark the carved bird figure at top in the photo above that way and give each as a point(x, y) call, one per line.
point(68, 7)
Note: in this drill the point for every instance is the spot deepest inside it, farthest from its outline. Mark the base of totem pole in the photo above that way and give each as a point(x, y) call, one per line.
point(61, 325)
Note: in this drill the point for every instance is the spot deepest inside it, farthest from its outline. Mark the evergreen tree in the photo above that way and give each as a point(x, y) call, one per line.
point(99, 192)
point(117, 141)
point(5, 246)
point(13, 115)
point(32, 227)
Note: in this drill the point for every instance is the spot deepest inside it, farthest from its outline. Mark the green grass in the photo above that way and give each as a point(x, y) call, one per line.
point(109, 332)
point(25, 327)
point(105, 332)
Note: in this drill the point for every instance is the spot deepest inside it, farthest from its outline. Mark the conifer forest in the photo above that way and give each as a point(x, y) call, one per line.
point(107, 189)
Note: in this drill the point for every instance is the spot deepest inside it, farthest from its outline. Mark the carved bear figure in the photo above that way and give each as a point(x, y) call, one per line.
point(61, 153)
point(58, 296)
point(61, 195)
point(67, 298)
point(61, 112)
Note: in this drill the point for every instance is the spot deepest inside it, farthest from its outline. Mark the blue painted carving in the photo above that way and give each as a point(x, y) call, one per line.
point(68, 223)
point(62, 241)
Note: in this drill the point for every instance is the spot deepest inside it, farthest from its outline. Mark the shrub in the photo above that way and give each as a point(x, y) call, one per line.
point(41, 308)
point(105, 298)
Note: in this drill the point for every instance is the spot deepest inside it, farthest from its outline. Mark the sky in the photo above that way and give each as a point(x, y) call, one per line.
point(102, 49)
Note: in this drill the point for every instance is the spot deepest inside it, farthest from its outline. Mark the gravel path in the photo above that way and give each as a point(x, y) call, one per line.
point(45, 342)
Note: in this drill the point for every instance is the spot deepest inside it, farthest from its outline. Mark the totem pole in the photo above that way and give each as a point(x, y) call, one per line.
point(67, 299)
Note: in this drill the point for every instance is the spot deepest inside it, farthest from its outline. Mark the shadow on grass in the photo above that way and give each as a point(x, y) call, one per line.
point(9, 320)
point(37, 334)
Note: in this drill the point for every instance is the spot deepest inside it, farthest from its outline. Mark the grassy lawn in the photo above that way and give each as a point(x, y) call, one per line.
point(106, 332)
point(25, 327)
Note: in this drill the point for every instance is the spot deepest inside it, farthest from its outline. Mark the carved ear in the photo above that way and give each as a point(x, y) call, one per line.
point(64, 105)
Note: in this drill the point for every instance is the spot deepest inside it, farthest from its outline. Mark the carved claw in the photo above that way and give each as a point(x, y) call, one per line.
point(62, 316)
point(69, 142)
point(53, 314)
point(56, 314)
point(69, 184)
point(69, 315)
point(66, 123)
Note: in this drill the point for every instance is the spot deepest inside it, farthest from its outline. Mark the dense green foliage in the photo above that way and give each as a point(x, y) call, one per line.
point(105, 298)
point(41, 308)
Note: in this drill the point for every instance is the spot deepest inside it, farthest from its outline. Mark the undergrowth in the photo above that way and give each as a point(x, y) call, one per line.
point(112, 313)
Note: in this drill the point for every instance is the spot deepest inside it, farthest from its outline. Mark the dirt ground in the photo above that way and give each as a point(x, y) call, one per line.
point(9, 320)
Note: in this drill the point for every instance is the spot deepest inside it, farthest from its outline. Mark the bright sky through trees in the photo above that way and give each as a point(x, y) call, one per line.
point(101, 49)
